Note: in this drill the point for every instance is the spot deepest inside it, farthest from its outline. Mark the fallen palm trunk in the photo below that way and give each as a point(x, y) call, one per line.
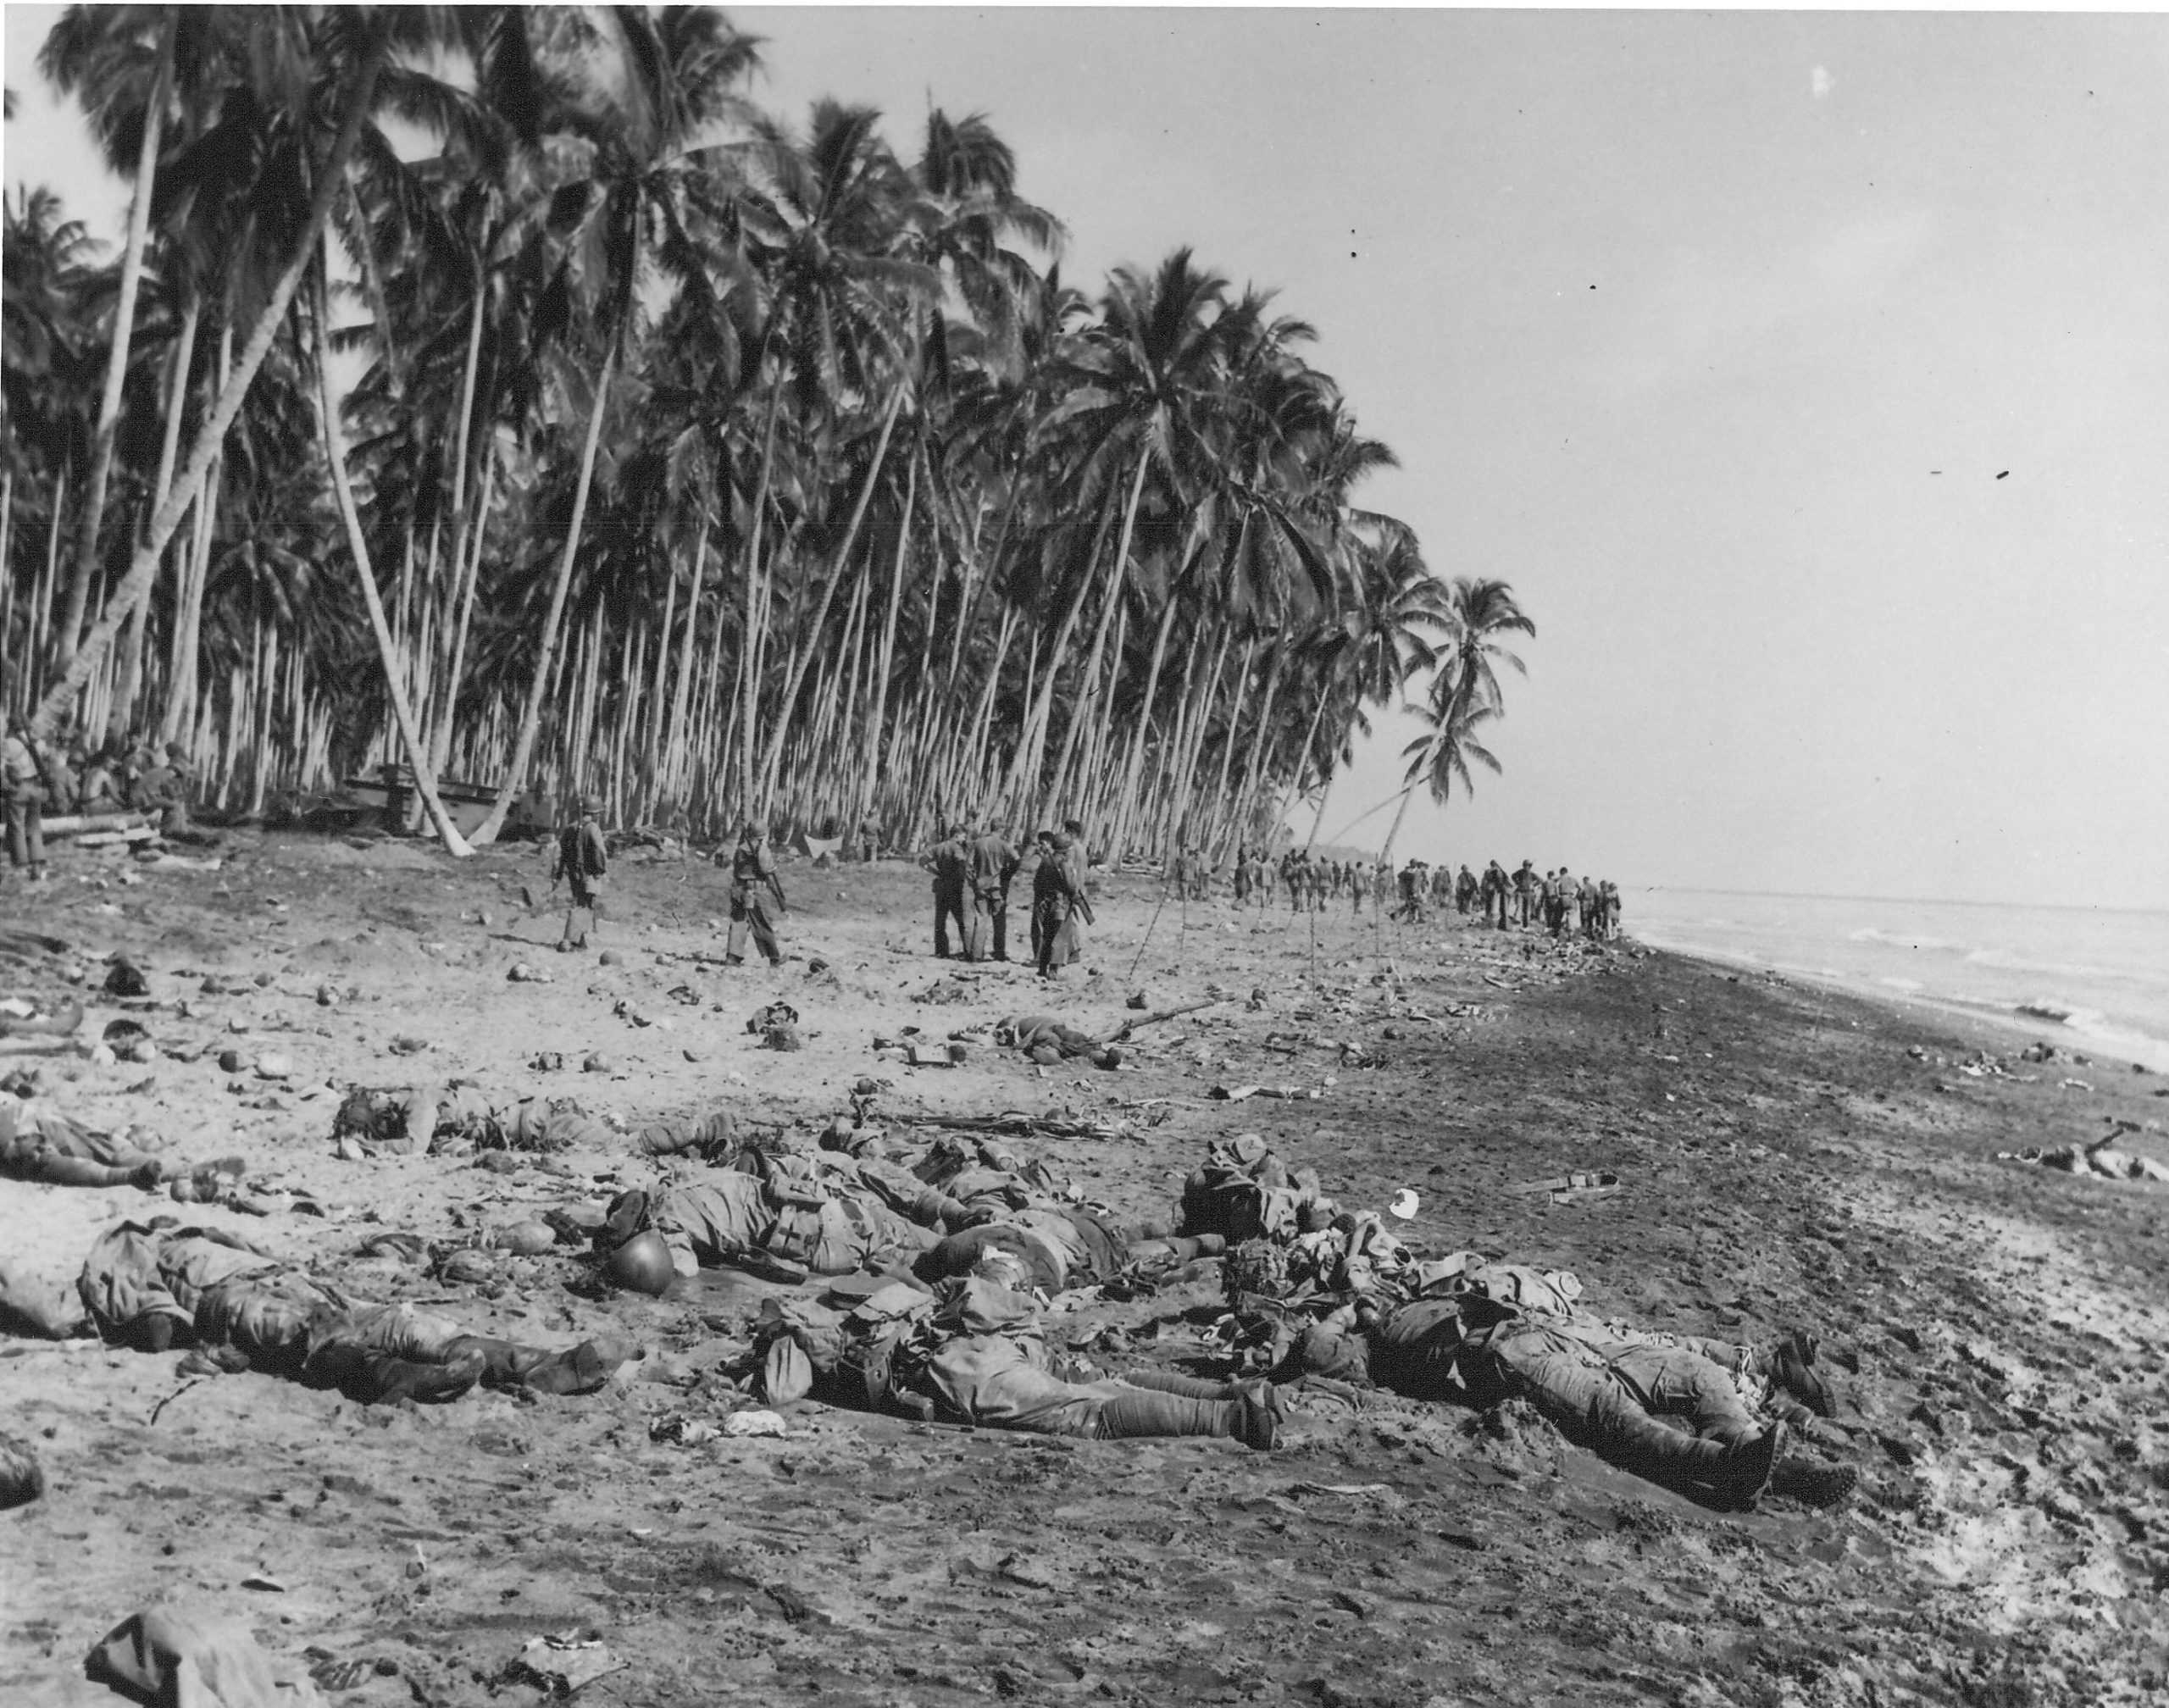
point(81, 824)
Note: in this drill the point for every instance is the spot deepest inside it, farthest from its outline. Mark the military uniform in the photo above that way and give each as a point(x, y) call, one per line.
point(753, 876)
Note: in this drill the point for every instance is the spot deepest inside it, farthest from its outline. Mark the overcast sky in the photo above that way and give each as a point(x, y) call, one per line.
point(1711, 334)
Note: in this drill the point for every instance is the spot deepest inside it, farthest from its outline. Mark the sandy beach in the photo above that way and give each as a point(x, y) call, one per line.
point(1786, 1157)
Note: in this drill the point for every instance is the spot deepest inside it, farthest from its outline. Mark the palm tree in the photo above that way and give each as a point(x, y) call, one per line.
point(639, 203)
point(1465, 693)
point(841, 308)
point(101, 50)
point(377, 32)
point(1144, 384)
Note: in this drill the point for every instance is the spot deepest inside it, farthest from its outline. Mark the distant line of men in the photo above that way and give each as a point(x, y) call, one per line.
point(1525, 897)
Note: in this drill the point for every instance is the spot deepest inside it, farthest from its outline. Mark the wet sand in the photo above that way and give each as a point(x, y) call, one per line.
point(1997, 1331)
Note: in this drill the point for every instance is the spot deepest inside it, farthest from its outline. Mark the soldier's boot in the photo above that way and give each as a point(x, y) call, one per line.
point(1813, 1484)
point(1252, 1418)
point(1792, 1369)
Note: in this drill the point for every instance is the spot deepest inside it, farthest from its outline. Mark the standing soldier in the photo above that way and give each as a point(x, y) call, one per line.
point(583, 859)
point(22, 802)
point(1268, 880)
point(1056, 902)
point(1496, 890)
point(951, 863)
point(751, 870)
point(1242, 875)
point(1078, 857)
point(994, 868)
point(1524, 892)
point(1465, 887)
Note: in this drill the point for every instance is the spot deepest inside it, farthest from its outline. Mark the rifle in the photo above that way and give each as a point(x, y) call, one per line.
point(1121, 1034)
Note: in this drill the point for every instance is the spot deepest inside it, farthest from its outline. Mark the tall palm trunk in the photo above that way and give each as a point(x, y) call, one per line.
point(136, 583)
point(449, 717)
point(748, 640)
point(1246, 802)
point(1116, 565)
point(1022, 788)
point(184, 356)
point(802, 652)
point(530, 716)
point(124, 328)
point(1224, 808)
point(335, 452)
point(875, 729)
point(1145, 707)
point(674, 733)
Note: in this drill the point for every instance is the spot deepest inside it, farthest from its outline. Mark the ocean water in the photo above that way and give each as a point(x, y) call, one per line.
point(2095, 978)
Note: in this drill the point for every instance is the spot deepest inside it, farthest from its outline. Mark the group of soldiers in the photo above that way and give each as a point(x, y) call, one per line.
point(1419, 892)
point(69, 777)
point(972, 867)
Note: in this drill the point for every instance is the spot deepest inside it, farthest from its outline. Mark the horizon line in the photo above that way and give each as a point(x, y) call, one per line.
point(1903, 900)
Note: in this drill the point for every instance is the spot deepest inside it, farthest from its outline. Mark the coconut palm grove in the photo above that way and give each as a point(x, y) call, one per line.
point(501, 392)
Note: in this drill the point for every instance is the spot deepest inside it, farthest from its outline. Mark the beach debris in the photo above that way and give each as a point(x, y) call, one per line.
point(610, 957)
point(21, 1019)
point(174, 1653)
point(526, 1239)
point(1567, 1189)
point(597, 1062)
point(2098, 1158)
point(1404, 1205)
point(776, 1014)
point(233, 1061)
point(1286, 1094)
point(407, 1046)
point(740, 1424)
point(274, 1065)
point(467, 1266)
point(548, 1061)
point(21, 1479)
point(124, 978)
point(675, 1429)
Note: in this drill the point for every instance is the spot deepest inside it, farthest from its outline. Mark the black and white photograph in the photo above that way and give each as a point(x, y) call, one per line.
point(901, 856)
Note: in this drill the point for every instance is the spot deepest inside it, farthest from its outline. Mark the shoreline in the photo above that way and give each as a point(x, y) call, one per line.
point(2152, 1054)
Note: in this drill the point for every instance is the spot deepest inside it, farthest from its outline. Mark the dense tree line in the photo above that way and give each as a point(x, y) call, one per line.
point(500, 390)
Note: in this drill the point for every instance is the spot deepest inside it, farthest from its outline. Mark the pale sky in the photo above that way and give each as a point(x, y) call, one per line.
point(1711, 334)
